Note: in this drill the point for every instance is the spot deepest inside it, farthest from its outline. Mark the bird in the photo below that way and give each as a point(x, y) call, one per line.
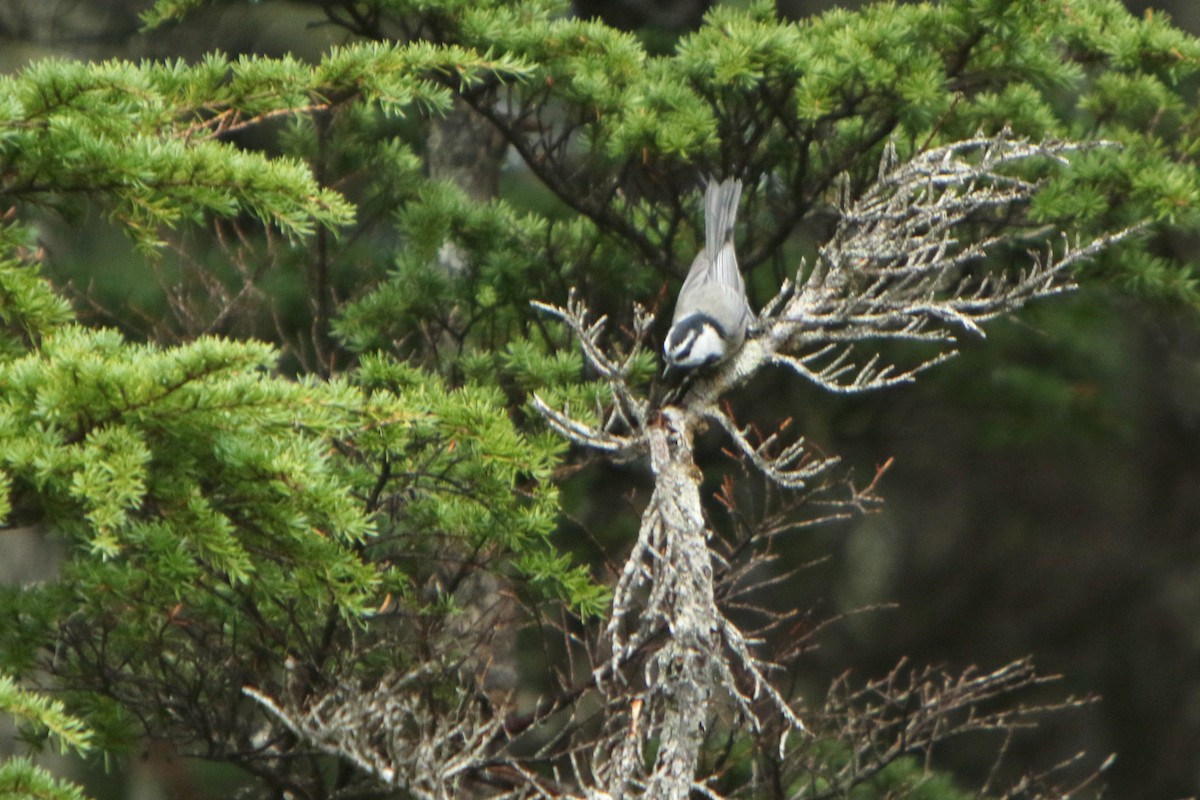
point(712, 313)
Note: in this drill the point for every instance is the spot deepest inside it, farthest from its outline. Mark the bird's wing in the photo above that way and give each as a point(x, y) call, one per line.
point(702, 292)
point(720, 214)
point(697, 274)
point(714, 283)
point(724, 269)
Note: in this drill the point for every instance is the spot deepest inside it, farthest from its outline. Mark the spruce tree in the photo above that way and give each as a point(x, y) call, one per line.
point(308, 531)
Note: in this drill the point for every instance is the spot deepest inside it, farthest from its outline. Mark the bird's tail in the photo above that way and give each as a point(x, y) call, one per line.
point(720, 214)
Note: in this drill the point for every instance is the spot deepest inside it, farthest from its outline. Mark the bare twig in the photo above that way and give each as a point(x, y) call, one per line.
point(902, 264)
point(908, 261)
point(792, 467)
point(391, 732)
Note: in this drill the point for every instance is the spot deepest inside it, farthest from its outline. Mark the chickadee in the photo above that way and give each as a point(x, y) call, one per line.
point(712, 312)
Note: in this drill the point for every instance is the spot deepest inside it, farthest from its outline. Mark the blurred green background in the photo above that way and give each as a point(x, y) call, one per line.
point(1045, 496)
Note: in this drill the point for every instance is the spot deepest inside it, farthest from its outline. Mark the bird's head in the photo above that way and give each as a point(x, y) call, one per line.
point(695, 341)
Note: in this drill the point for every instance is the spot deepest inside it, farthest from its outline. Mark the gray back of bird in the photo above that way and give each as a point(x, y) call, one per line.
point(714, 285)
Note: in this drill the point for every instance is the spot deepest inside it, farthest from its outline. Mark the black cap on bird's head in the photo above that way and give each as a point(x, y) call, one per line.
point(694, 342)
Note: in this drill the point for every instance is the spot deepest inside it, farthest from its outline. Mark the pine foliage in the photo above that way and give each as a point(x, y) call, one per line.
point(304, 519)
point(42, 717)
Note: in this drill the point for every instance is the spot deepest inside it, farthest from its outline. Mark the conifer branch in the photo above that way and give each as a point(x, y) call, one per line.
point(586, 436)
point(899, 266)
point(905, 263)
point(792, 467)
point(627, 411)
point(390, 732)
point(666, 588)
point(225, 521)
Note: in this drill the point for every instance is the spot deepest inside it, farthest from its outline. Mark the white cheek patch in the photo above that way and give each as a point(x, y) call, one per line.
point(681, 350)
point(707, 349)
